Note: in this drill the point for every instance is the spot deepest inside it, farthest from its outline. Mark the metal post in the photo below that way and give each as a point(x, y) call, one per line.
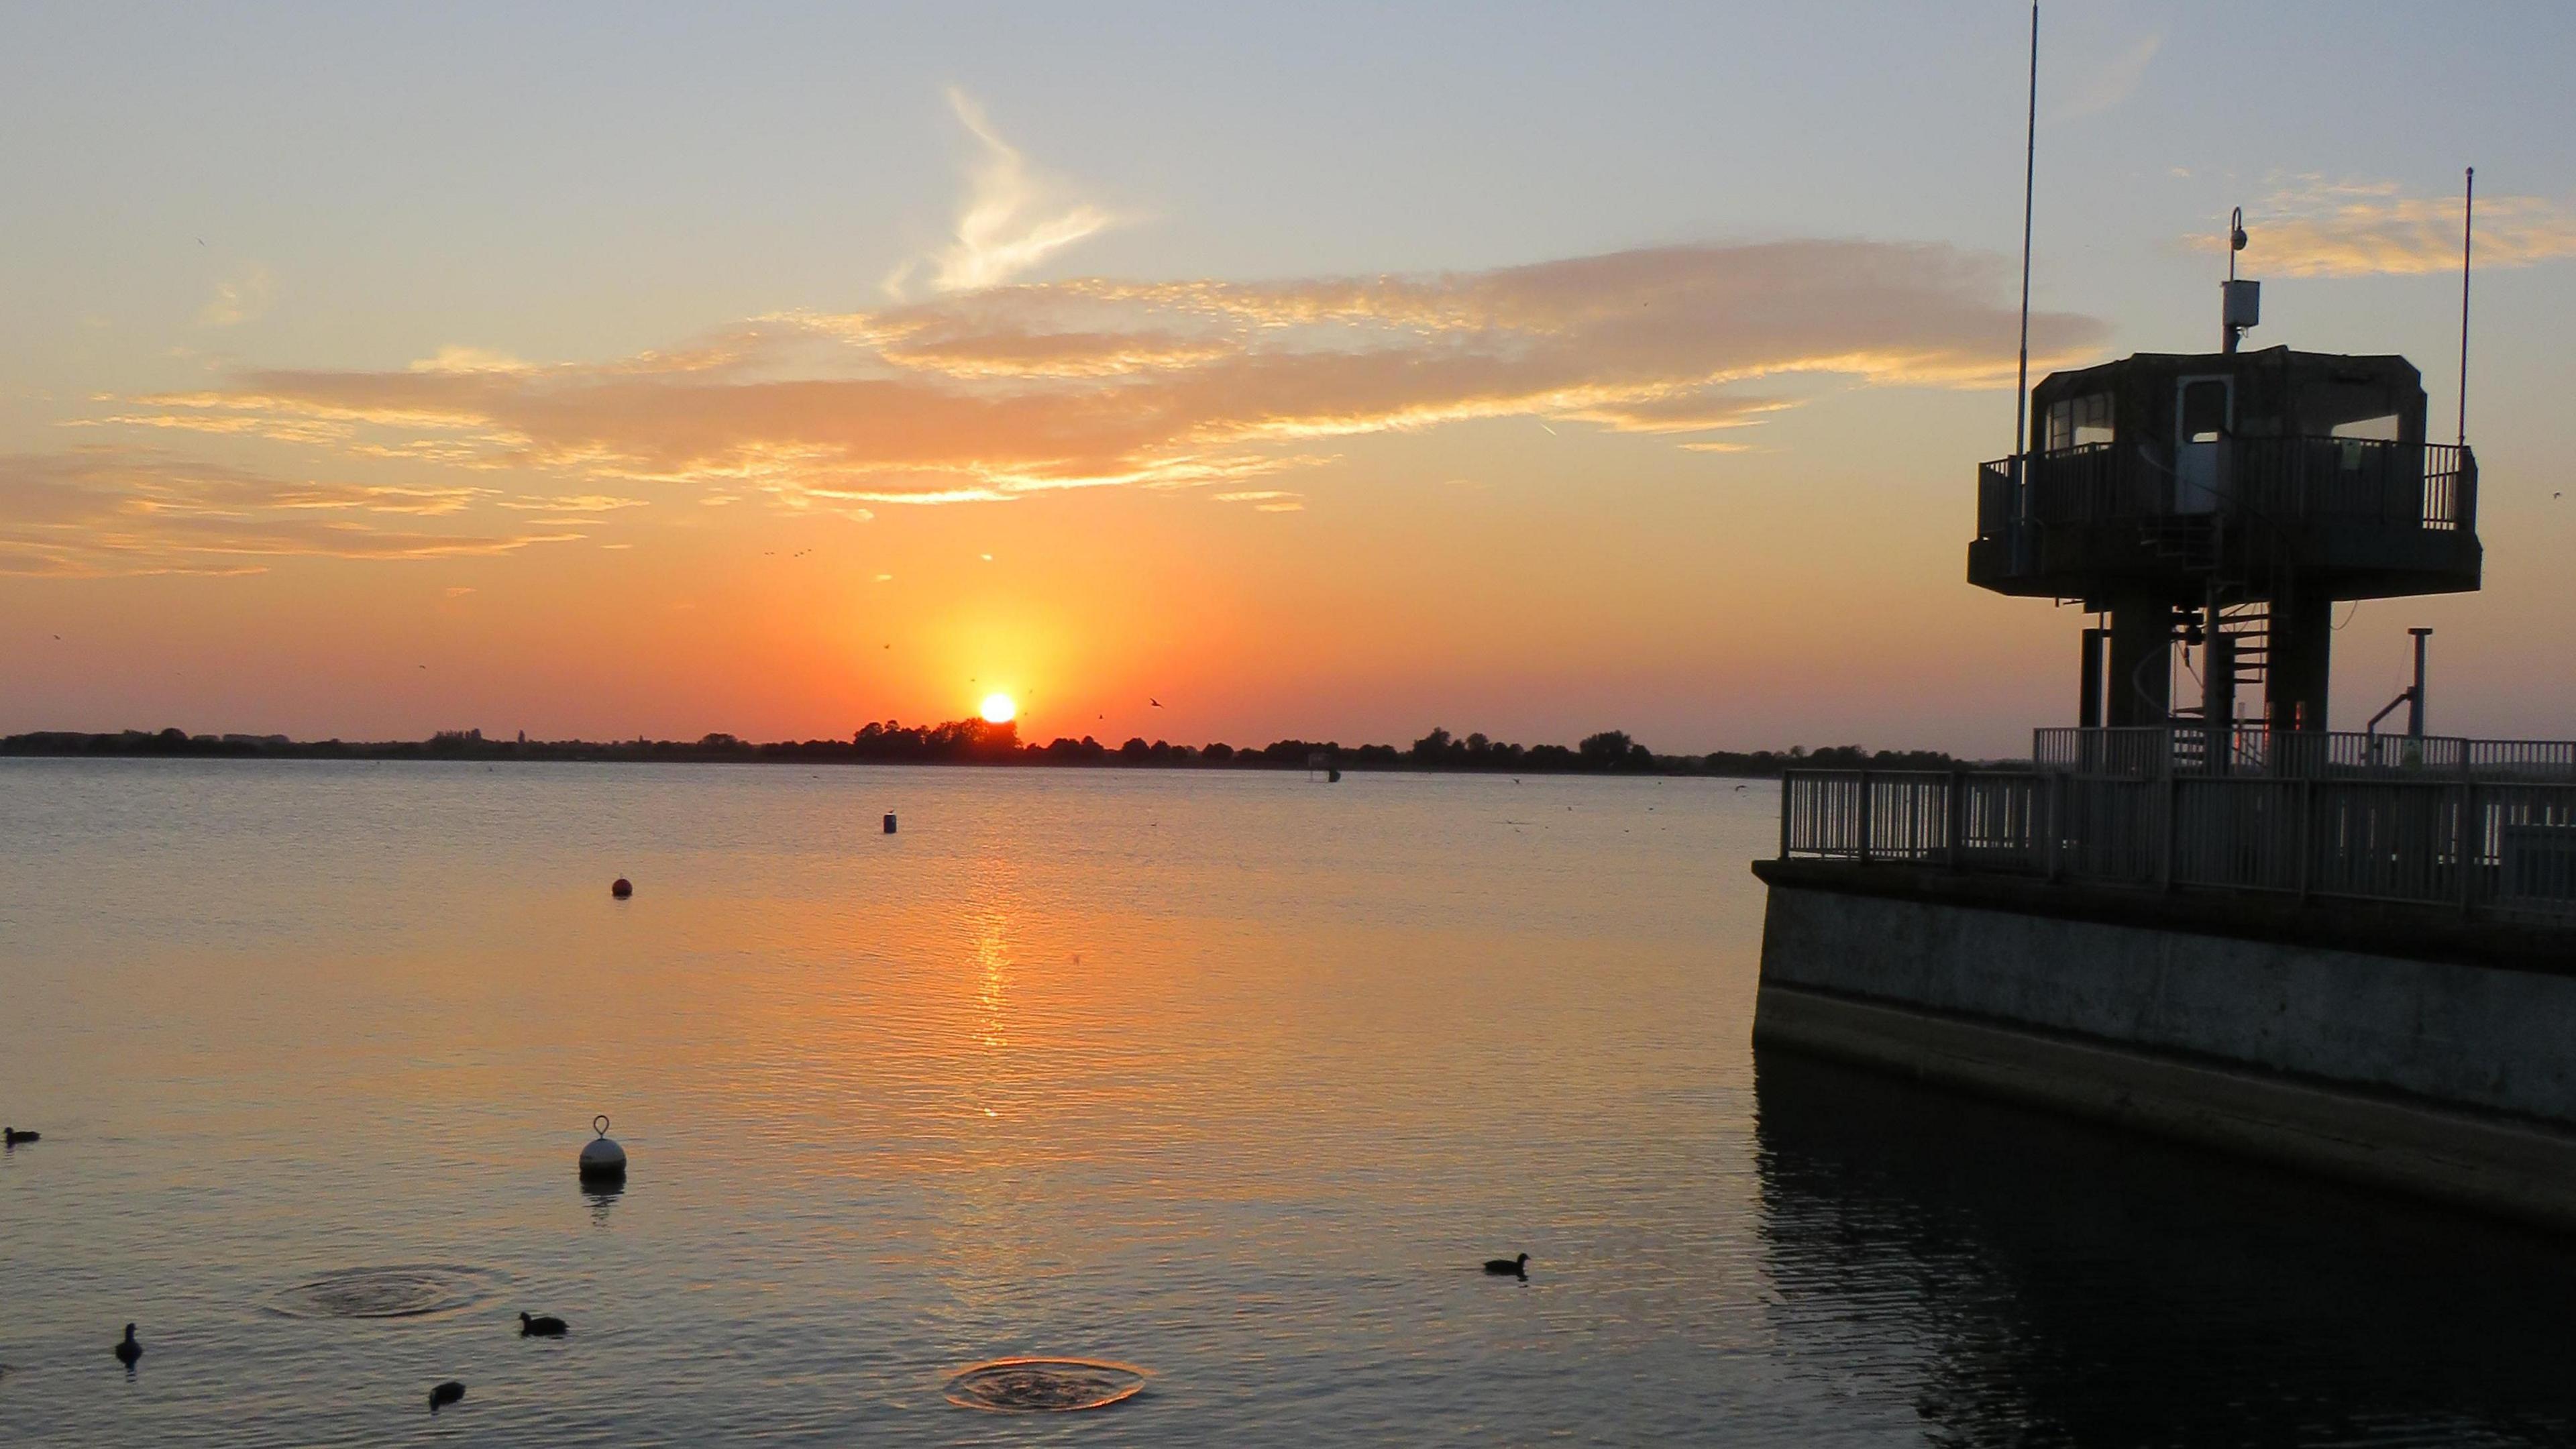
point(2173, 810)
point(2307, 834)
point(1950, 803)
point(2415, 696)
point(2088, 709)
point(2470, 847)
point(2029, 186)
point(1784, 814)
point(2468, 232)
point(1864, 817)
point(2052, 800)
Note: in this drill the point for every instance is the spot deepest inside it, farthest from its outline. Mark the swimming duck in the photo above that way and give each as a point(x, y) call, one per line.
point(128, 1350)
point(545, 1326)
point(1514, 1267)
point(445, 1394)
point(11, 1136)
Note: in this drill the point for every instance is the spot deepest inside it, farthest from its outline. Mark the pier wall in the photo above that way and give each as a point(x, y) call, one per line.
point(2448, 1074)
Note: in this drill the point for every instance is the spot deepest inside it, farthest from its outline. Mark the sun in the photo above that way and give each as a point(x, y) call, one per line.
point(998, 709)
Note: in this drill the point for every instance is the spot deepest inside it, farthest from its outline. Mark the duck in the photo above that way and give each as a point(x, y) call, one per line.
point(127, 1350)
point(1508, 1267)
point(541, 1326)
point(11, 1136)
point(445, 1394)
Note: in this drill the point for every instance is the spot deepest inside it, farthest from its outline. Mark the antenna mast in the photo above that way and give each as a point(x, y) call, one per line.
point(2468, 230)
point(2029, 177)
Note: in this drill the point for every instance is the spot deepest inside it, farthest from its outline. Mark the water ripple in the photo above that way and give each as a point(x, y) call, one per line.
point(402, 1290)
point(1044, 1385)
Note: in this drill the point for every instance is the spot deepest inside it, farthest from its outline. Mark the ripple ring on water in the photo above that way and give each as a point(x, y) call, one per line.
point(402, 1290)
point(1044, 1385)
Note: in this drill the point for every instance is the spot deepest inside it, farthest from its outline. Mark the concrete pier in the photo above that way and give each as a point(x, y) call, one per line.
point(2398, 1048)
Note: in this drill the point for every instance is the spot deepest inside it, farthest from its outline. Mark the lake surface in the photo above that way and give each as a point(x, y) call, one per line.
point(1230, 1077)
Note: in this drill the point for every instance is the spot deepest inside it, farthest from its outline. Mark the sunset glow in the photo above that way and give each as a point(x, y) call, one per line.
point(861, 382)
point(998, 709)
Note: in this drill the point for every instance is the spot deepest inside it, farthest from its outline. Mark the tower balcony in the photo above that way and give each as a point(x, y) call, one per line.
point(2359, 517)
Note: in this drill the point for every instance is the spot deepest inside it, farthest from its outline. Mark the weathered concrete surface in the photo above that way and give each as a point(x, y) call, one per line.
point(2479, 1038)
point(2492, 1164)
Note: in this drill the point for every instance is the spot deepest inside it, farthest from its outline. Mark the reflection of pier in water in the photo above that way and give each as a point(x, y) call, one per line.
point(2059, 1283)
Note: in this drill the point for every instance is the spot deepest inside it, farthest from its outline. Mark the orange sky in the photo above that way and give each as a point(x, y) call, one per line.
point(1068, 426)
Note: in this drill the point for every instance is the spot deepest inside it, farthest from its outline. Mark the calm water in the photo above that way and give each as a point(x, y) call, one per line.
point(1232, 1077)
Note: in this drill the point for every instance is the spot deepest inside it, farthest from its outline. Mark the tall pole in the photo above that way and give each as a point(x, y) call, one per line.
point(2029, 178)
point(2468, 230)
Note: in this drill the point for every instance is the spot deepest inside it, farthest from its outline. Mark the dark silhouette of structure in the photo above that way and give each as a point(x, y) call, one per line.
point(2226, 502)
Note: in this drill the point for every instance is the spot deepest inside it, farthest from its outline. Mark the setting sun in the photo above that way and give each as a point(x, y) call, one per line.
point(998, 708)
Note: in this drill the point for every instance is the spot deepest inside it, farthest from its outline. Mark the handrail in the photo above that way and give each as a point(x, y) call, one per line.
point(2285, 480)
point(2159, 751)
point(2486, 848)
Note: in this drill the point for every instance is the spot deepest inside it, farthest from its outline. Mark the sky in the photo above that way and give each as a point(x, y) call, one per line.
point(1328, 372)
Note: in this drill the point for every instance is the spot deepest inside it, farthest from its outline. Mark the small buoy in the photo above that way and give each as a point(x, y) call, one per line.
point(889, 822)
point(602, 1160)
point(445, 1394)
point(621, 888)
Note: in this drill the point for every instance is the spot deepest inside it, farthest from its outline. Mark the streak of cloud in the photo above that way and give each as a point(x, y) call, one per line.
point(2317, 228)
point(995, 394)
point(1012, 218)
point(238, 299)
point(2104, 86)
point(94, 512)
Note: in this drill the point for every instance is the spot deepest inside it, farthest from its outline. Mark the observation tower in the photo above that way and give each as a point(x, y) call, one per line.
point(2216, 507)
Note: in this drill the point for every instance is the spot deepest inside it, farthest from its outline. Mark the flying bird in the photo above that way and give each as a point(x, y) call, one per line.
point(1156, 703)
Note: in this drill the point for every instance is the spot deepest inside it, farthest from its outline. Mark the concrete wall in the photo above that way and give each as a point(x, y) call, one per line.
point(2501, 1165)
point(2475, 1037)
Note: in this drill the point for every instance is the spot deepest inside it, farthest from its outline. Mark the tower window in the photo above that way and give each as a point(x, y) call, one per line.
point(2204, 412)
point(2079, 422)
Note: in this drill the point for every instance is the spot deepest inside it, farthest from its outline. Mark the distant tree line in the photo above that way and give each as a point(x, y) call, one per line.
point(976, 742)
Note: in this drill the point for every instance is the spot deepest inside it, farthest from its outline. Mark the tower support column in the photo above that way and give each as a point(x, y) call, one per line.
point(2141, 684)
point(2302, 643)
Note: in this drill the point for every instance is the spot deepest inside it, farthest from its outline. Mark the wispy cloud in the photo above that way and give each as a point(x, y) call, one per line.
point(1267, 500)
point(2107, 83)
point(997, 393)
point(238, 298)
point(1012, 219)
point(2319, 228)
point(105, 510)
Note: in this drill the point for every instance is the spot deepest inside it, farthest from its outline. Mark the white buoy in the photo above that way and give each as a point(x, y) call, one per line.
point(602, 1160)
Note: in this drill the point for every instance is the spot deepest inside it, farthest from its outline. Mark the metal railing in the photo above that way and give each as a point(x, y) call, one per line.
point(2288, 482)
point(2156, 752)
point(2478, 846)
